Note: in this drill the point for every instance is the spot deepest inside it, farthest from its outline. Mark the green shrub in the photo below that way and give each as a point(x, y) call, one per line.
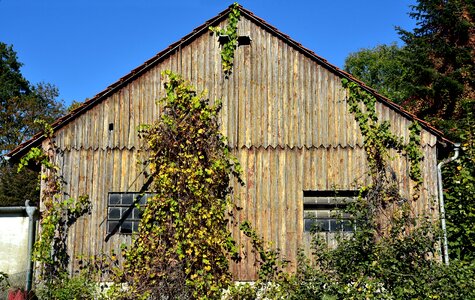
point(68, 288)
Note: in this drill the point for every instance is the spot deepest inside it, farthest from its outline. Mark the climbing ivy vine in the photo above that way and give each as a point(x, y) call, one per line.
point(58, 214)
point(183, 244)
point(228, 48)
point(378, 138)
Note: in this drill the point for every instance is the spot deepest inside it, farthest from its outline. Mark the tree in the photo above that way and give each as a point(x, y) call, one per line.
point(441, 62)
point(381, 68)
point(20, 105)
point(183, 243)
point(440, 58)
point(434, 70)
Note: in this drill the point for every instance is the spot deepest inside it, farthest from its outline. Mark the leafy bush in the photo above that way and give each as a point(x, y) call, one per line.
point(67, 288)
point(183, 243)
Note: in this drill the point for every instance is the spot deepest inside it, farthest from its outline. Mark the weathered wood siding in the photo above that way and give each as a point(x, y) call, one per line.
point(285, 117)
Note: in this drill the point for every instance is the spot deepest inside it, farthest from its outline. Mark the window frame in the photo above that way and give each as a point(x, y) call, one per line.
point(325, 207)
point(126, 210)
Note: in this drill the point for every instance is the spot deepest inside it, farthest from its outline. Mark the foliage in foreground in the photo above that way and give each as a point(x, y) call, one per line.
point(365, 266)
point(183, 245)
point(65, 288)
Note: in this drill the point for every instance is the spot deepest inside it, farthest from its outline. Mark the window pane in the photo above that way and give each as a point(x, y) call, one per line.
point(114, 199)
point(121, 207)
point(317, 225)
point(111, 225)
point(309, 224)
point(323, 225)
point(143, 199)
point(137, 214)
point(127, 199)
point(135, 226)
point(326, 208)
point(126, 227)
point(114, 213)
point(347, 226)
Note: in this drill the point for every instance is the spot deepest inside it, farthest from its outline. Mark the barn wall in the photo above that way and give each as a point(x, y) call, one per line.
point(285, 116)
point(275, 97)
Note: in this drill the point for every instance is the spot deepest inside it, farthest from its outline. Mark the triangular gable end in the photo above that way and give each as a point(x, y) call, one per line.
point(19, 151)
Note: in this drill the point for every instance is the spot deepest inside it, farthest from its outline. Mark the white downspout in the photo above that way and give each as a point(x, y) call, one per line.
point(30, 211)
point(441, 201)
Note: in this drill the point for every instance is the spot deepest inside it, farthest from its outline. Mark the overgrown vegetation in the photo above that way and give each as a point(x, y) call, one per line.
point(392, 253)
point(435, 73)
point(65, 287)
point(378, 138)
point(183, 244)
point(230, 32)
point(59, 214)
point(460, 192)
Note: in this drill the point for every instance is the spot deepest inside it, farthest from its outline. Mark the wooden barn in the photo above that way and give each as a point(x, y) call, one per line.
point(286, 118)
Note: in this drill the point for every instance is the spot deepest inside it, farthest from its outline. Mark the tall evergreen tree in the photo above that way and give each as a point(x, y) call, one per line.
point(440, 58)
point(440, 55)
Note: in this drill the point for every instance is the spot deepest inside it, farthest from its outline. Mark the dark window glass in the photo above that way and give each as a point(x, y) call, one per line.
point(126, 227)
point(309, 224)
point(323, 211)
point(114, 213)
point(137, 214)
point(111, 225)
point(135, 226)
point(114, 199)
point(127, 198)
point(143, 199)
point(123, 215)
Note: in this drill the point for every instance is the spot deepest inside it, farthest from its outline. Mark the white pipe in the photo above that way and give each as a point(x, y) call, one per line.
point(30, 211)
point(441, 200)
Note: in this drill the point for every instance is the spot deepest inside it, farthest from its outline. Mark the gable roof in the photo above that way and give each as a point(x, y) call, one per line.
point(20, 150)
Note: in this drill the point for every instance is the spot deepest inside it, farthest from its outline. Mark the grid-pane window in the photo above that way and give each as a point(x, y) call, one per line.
point(123, 213)
point(323, 211)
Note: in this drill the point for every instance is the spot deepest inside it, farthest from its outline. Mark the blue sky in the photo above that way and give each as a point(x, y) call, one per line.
point(82, 46)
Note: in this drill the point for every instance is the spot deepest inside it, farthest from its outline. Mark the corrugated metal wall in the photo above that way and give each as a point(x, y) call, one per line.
point(284, 115)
